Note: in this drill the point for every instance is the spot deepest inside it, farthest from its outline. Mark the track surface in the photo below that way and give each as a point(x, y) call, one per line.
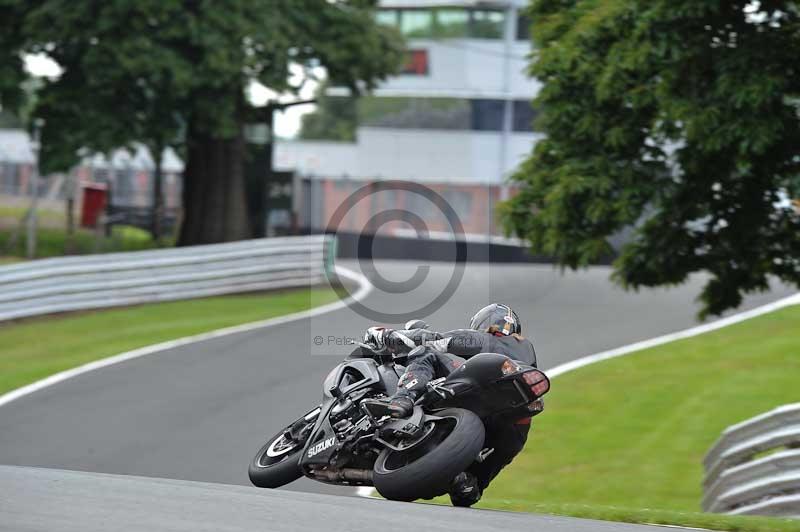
point(199, 412)
point(98, 503)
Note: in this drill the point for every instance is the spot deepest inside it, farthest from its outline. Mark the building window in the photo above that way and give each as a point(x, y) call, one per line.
point(101, 175)
point(414, 113)
point(416, 62)
point(524, 115)
point(444, 22)
point(124, 187)
point(416, 23)
point(387, 17)
point(486, 24)
point(523, 28)
point(10, 181)
point(487, 115)
point(460, 201)
point(442, 113)
point(452, 23)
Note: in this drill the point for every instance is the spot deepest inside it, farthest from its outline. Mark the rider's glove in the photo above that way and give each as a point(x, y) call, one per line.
point(388, 339)
point(377, 336)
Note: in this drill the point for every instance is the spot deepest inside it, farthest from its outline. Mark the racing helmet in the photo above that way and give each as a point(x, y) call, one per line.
point(496, 318)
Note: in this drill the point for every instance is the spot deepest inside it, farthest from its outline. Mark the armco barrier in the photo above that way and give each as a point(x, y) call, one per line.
point(754, 467)
point(95, 281)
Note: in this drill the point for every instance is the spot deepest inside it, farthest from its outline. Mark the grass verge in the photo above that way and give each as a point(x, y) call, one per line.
point(54, 242)
point(34, 348)
point(631, 432)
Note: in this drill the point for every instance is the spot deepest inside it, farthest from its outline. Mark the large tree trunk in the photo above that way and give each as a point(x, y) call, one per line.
point(214, 203)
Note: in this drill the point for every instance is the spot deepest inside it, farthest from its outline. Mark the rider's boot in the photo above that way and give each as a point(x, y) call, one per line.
point(398, 406)
point(464, 490)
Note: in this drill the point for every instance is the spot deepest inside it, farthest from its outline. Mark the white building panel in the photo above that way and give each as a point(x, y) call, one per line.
point(317, 158)
point(420, 155)
point(466, 68)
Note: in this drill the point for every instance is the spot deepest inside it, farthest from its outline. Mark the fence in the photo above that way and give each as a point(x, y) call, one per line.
point(754, 467)
point(95, 281)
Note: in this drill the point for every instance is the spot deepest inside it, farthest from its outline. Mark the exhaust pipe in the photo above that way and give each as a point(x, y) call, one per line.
point(363, 476)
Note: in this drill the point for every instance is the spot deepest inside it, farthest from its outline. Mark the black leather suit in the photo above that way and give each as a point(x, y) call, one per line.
point(440, 354)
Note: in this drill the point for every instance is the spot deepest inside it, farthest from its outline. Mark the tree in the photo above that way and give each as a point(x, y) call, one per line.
point(114, 90)
point(12, 71)
point(335, 118)
point(678, 118)
point(137, 70)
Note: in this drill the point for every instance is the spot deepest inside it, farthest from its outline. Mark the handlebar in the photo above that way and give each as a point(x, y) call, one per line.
point(381, 353)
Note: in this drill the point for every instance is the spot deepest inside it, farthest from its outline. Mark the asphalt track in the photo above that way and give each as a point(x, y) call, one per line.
point(199, 412)
point(92, 502)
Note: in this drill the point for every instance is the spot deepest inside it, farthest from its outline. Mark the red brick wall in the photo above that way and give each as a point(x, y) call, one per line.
point(471, 203)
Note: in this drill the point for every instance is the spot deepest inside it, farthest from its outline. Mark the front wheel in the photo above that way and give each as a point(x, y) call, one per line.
point(426, 470)
point(276, 463)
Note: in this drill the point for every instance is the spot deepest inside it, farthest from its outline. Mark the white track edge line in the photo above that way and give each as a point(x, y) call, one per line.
point(671, 337)
point(364, 288)
point(366, 492)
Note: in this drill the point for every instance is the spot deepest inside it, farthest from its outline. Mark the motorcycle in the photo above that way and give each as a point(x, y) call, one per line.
point(347, 442)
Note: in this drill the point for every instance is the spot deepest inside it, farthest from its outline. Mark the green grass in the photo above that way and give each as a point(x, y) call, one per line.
point(54, 242)
point(649, 516)
point(624, 439)
point(12, 214)
point(35, 348)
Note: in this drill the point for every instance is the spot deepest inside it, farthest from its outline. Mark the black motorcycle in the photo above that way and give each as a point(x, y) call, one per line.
point(347, 442)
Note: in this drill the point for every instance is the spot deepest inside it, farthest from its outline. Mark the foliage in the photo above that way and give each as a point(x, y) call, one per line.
point(9, 120)
point(158, 71)
point(678, 117)
point(171, 62)
point(335, 118)
point(12, 71)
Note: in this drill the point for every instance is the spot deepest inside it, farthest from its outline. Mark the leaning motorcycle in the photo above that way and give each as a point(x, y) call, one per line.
point(344, 441)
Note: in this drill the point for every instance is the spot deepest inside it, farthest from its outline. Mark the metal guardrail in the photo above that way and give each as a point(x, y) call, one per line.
point(95, 281)
point(754, 467)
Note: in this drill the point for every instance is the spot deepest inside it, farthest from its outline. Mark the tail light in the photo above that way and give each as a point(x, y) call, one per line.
point(537, 381)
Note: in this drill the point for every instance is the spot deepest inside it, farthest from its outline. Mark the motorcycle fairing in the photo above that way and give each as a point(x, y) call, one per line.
point(350, 376)
point(467, 387)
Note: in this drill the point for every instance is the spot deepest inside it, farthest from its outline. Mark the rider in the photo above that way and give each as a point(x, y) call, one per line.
point(493, 329)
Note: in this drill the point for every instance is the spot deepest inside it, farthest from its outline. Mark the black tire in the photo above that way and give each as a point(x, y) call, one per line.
point(274, 471)
point(435, 462)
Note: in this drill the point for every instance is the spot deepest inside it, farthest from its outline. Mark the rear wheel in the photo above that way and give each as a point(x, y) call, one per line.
point(426, 470)
point(276, 463)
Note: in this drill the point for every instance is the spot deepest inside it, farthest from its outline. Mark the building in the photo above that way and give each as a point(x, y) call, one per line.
point(458, 119)
point(128, 174)
point(16, 162)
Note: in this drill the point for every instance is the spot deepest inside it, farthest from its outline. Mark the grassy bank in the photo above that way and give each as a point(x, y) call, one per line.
point(624, 439)
point(53, 240)
point(35, 348)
